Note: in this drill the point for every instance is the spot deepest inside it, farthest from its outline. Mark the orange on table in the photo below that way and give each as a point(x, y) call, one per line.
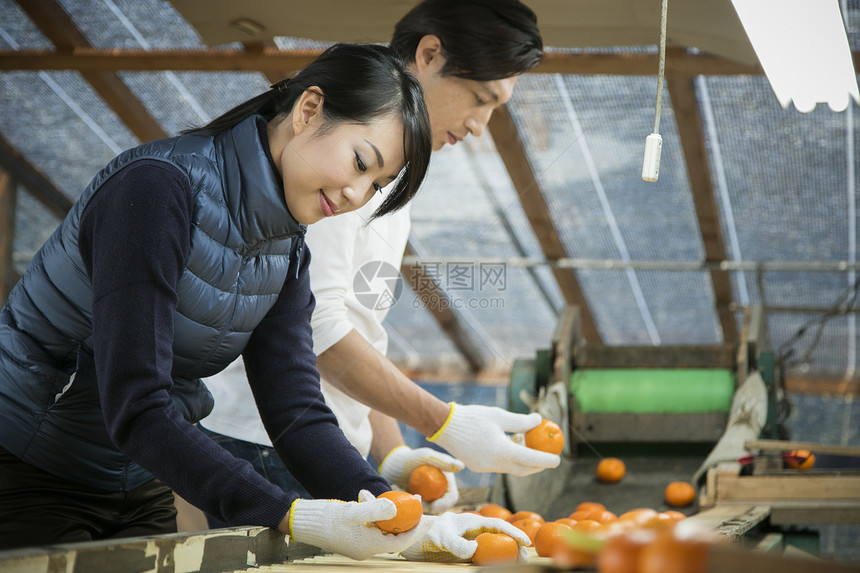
point(566, 520)
point(495, 548)
point(589, 506)
point(580, 514)
point(586, 526)
point(674, 515)
point(680, 493)
point(495, 510)
point(611, 470)
point(621, 552)
point(638, 515)
point(428, 481)
point(671, 554)
point(661, 521)
point(526, 515)
point(546, 437)
point(602, 516)
point(409, 511)
point(801, 459)
point(528, 526)
point(549, 537)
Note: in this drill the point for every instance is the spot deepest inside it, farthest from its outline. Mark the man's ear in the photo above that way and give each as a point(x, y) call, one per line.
point(307, 108)
point(428, 52)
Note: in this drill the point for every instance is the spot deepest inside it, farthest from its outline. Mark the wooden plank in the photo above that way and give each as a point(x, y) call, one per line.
point(8, 203)
point(729, 558)
point(731, 522)
point(829, 386)
point(512, 151)
point(815, 512)
point(688, 120)
point(786, 446)
point(58, 27)
point(273, 60)
point(766, 489)
point(57, 202)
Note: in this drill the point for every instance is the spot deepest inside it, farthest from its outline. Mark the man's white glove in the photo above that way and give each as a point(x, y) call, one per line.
point(401, 461)
point(347, 527)
point(451, 538)
point(478, 435)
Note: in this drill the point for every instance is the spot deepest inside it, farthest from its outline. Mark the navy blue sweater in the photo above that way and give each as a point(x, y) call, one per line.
point(134, 245)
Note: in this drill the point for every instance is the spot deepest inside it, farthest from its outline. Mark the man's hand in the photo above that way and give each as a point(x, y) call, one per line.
point(451, 538)
point(347, 527)
point(478, 435)
point(400, 462)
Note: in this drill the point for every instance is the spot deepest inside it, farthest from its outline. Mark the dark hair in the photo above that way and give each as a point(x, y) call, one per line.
point(359, 83)
point(483, 40)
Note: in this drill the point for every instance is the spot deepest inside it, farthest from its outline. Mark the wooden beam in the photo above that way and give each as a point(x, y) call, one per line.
point(832, 386)
point(271, 60)
point(37, 184)
point(8, 202)
point(433, 297)
point(60, 29)
point(688, 120)
point(513, 154)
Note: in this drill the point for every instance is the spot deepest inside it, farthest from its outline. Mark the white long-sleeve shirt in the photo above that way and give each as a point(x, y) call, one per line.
point(345, 253)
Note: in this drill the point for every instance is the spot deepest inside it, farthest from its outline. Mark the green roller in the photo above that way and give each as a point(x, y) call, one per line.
point(653, 390)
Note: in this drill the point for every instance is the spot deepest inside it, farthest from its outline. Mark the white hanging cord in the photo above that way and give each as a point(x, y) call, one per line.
point(654, 142)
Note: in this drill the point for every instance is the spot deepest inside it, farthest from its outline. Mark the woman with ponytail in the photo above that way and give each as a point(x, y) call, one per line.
point(181, 255)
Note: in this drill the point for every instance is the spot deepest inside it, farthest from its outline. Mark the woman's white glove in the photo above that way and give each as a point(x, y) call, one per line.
point(478, 435)
point(346, 527)
point(451, 538)
point(401, 461)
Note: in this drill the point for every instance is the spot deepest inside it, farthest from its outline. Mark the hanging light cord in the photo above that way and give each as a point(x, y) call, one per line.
point(662, 68)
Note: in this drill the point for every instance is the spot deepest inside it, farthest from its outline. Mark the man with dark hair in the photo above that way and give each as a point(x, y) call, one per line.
point(467, 55)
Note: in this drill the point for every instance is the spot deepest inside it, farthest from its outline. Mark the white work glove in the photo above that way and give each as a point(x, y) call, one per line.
point(451, 538)
point(478, 435)
point(346, 527)
point(401, 461)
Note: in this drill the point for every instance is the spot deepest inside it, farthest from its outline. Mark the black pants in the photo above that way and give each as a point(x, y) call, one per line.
point(38, 508)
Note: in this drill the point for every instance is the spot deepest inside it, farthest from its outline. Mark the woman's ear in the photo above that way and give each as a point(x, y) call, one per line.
point(428, 53)
point(307, 109)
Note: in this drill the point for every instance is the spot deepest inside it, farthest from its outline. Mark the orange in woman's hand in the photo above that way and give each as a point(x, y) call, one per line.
point(495, 548)
point(611, 470)
point(680, 493)
point(409, 512)
point(429, 482)
point(546, 437)
point(495, 510)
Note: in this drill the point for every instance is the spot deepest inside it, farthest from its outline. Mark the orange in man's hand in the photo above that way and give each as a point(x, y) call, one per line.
point(680, 493)
point(611, 470)
point(409, 512)
point(495, 548)
point(495, 510)
point(429, 482)
point(548, 538)
point(546, 437)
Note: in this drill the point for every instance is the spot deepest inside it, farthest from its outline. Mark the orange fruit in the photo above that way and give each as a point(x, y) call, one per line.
point(669, 554)
point(801, 459)
point(601, 516)
point(495, 510)
point(586, 526)
point(674, 515)
point(429, 482)
point(589, 506)
point(549, 537)
point(495, 548)
point(408, 515)
point(526, 515)
point(638, 515)
point(621, 552)
point(566, 520)
point(580, 514)
point(546, 437)
point(528, 526)
point(680, 493)
point(661, 521)
point(611, 470)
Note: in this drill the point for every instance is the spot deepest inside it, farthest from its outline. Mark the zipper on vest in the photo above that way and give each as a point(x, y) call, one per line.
point(300, 247)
